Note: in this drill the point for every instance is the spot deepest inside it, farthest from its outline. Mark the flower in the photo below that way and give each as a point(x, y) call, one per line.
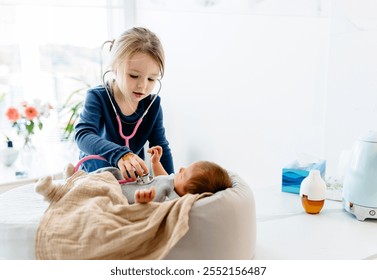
point(27, 117)
point(31, 113)
point(13, 114)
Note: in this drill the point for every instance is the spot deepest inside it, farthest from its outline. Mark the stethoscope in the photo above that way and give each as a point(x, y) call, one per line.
point(140, 179)
point(120, 127)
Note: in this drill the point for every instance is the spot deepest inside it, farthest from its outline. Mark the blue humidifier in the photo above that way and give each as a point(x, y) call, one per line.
point(360, 182)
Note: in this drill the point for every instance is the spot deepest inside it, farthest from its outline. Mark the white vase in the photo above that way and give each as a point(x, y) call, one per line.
point(8, 156)
point(313, 192)
point(28, 155)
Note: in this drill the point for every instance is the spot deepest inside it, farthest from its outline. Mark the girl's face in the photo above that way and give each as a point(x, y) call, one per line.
point(137, 77)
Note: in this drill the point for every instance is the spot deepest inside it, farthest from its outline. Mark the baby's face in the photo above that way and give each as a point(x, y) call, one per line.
point(182, 176)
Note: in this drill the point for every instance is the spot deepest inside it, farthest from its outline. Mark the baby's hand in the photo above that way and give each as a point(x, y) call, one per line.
point(156, 153)
point(145, 195)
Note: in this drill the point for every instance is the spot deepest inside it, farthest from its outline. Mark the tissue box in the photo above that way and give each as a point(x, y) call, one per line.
point(293, 174)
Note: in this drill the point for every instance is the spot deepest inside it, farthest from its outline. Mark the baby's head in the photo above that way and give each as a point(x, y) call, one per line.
point(200, 177)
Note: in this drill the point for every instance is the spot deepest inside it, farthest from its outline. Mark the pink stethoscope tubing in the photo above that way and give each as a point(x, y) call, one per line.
point(127, 138)
point(120, 127)
point(81, 161)
point(120, 130)
point(127, 141)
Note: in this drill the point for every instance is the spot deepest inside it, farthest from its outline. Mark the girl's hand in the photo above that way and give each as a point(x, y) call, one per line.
point(145, 195)
point(156, 153)
point(131, 163)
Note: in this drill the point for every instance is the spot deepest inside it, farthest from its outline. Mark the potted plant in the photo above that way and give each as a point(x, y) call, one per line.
point(71, 110)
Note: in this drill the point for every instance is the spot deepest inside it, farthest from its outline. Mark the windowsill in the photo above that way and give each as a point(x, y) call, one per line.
point(48, 160)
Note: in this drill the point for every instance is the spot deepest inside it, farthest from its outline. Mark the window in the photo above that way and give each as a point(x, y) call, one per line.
point(49, 49)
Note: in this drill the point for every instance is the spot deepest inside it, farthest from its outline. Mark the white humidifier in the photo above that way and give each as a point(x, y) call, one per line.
point(360, 182)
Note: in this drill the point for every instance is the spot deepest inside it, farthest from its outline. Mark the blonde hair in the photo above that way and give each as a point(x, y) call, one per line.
point(133, 41)
point(208, 177)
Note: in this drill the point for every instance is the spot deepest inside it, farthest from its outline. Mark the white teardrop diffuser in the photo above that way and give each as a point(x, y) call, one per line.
point(313, 192)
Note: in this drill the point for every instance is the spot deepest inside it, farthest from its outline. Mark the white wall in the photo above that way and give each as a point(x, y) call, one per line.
point(243, 90)
point(352, 80)
point(250, 88)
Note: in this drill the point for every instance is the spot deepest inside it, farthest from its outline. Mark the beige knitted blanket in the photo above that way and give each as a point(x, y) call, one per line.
point(89, 218)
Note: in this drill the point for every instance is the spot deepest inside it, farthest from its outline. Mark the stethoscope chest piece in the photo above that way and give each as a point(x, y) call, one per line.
point(145, 179)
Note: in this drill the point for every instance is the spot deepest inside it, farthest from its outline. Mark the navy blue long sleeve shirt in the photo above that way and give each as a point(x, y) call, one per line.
point(97, 131)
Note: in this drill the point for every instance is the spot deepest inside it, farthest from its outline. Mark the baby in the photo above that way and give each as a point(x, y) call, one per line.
point(199, 177)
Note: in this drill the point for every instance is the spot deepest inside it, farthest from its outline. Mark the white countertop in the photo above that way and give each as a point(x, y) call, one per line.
point(286, 231)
